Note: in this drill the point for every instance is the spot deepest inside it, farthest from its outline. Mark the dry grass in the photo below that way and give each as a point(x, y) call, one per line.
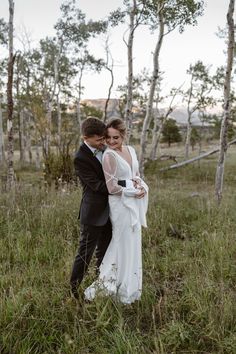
point(188, 303)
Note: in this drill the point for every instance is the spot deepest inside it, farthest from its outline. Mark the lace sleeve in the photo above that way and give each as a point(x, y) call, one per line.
point(109, 166)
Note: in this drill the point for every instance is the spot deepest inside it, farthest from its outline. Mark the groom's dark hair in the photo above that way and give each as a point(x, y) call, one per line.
point(93, 126)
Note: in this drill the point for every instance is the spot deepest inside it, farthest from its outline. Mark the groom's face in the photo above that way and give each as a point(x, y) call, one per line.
point(95, 141)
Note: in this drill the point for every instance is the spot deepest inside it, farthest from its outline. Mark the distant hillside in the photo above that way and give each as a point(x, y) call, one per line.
point(179, 113)
point(113, 105)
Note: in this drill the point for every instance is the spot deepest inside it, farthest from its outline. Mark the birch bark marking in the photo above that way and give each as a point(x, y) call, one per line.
point(59, 122)
point(10, 147)
point(78, 110)
point(49, 99)
point(227, 104)
point(2, 157)
point(109, 91)
point(20, 111)
point(129, 104)
point(189, 122)
point(48, 106)
point(37, 153)
point(156, 132)
point(108, 67)
point(22, 138)
point(28, 146)
point(155, 74)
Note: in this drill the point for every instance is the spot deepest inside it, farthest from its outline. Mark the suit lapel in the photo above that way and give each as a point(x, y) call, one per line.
point(90, 156)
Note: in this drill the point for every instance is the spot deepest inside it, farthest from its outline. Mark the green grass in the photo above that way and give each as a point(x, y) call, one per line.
point(188, 303)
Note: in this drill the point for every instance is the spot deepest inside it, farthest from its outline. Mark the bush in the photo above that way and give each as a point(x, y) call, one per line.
point(59, 169)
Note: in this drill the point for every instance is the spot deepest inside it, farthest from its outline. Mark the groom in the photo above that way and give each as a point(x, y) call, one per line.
point(95, 225)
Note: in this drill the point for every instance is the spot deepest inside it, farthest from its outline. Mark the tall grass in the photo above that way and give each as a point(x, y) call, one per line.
point(188, 303)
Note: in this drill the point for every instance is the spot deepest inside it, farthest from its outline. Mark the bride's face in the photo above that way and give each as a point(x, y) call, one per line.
point(114, 139)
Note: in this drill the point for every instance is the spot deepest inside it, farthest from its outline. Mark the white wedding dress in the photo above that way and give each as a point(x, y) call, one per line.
point(121, 268)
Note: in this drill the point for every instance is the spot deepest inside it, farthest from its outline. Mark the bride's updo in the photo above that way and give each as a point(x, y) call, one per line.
point(118, 124)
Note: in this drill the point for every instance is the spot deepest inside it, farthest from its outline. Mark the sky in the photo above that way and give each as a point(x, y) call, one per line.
point(177, 53)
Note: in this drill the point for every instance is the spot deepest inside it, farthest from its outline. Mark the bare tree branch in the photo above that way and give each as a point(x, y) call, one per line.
point(202, 156)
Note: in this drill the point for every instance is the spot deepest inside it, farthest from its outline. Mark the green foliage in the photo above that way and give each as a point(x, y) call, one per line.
point(199, 94)
point(88, 110)
point(86, 61)
point(171, 133)
point(116, 17)
point(195, 137)
point(73, 27)
point(59, 168)
point(3, 32)
point(216, 121)
point(176, 13)
point(140, 85)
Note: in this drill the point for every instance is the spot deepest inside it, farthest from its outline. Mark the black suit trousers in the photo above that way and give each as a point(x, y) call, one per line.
point(91, 238)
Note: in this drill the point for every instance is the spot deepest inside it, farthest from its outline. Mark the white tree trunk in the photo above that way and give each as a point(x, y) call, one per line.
point(158, 128)
point(108, 67)
point(188, 135)
point(2, 155)
point(227, 104)
point(189, 122)
point(37, 156)
point(156, 137)
point(79, 100)
point(109, 92)
point(10, 147)
point(22, 136)
point(37, 152)
point(47, 144)
point(49, 100)
point(129, 104)
point(59, 123)
point(28, 146)
point(155, 75)
point(78, 112)
point(156, 132)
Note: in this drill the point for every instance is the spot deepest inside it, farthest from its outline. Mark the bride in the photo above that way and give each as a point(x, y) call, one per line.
point(121, 269)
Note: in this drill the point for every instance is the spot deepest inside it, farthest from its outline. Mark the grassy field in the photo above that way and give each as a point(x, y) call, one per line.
point(189, 258)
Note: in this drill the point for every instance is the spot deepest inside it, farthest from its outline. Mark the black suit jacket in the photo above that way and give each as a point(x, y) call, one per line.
point(94, 209)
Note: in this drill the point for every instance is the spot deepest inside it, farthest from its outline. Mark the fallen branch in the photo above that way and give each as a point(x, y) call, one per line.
point(186, 162)
point(168, 157)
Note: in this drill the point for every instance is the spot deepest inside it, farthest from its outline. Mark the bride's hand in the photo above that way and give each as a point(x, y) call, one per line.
point(141, 193)
point(136, 183)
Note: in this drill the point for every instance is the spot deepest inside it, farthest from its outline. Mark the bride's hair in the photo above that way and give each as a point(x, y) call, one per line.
point(118, 124)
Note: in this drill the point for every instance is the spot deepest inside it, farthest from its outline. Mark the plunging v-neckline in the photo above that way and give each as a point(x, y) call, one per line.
point(130, 165)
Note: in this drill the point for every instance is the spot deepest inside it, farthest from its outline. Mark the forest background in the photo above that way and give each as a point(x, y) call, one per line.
point(188, 160)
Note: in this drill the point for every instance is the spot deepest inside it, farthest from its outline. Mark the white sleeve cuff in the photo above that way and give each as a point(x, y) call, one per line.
point(129, 192)
point(129, 183)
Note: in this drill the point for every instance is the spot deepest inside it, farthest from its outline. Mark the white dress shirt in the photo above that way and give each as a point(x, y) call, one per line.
point(97, 153)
